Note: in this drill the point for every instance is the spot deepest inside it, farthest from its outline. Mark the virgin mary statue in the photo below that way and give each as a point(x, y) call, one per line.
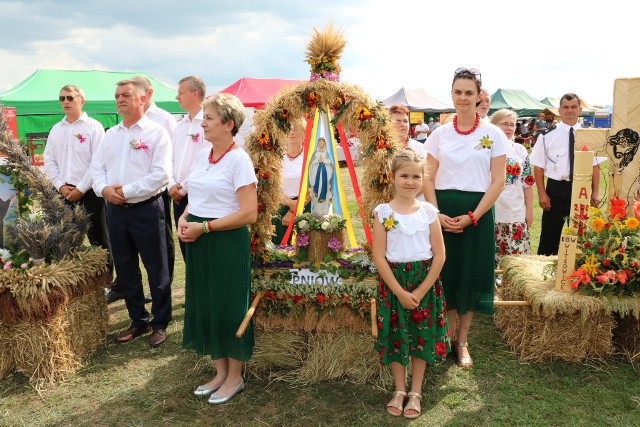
point(320, 175)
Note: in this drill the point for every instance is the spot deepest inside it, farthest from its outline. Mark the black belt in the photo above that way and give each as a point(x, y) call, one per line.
point(144, 202)
point(559, 182)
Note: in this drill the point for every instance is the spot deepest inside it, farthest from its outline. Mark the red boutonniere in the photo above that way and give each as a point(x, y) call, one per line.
point(195, 137)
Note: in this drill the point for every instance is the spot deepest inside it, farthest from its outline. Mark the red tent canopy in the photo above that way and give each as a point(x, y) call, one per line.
point(257, 92)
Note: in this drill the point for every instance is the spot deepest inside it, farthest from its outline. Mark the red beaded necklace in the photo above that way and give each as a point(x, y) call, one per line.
point(296, 156)
point(466, 132)
point(213, 162)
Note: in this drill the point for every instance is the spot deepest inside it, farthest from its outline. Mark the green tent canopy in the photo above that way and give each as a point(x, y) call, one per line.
point(517, 100)
point(38, 109)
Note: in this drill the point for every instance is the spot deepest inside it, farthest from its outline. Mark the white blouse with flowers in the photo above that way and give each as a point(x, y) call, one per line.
point(465, 160)
point(212, 187)
point(510, 206)
point(408, 236)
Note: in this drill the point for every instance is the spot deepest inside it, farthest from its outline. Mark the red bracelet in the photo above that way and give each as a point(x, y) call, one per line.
point(209, 226)
point(473, 220)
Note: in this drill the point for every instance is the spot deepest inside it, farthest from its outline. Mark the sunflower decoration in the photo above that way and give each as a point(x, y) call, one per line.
point(264, 141)
point(323, 53)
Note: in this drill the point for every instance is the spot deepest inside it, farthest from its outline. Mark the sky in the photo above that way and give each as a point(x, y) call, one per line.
point(544, 48)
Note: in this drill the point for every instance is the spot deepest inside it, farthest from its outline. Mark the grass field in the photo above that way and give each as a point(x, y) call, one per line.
point(133, 385)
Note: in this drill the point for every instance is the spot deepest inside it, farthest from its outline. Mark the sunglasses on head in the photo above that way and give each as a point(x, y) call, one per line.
point(469, 71)
point(68, 98)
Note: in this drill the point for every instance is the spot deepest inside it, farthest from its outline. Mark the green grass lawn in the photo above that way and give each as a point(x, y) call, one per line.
point(133, 385)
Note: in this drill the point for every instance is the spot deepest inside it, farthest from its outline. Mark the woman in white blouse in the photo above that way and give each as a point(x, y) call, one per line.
point(466, 173)
point(222, 202)
point(514, 207)
point(292, 167)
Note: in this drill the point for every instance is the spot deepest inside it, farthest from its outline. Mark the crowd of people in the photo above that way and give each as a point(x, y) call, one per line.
point(463, 196)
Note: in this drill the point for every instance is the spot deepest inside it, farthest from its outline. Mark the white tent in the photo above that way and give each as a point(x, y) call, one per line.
point(417, 100)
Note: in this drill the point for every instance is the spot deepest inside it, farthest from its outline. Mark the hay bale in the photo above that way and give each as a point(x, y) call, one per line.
point(6, 360)
point(313, 320)
point(47, 350)
point(558, 325)
point(340, 355)
point(277, 350)
point(626, 336)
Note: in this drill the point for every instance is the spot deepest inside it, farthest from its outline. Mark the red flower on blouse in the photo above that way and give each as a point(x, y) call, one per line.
point(529, 180)
point(441, 349)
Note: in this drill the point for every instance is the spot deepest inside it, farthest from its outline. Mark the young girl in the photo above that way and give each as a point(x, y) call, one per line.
point(408, 251)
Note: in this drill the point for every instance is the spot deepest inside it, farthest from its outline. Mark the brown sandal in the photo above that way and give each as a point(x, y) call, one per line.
point(463, 362)
point(396, 403)
point(413, 405)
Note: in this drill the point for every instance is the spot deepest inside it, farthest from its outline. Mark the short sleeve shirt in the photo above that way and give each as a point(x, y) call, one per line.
point(465, 160)
point(410, 238)
point(212, 187)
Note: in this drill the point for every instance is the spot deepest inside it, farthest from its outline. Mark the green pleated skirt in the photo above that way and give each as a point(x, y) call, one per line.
point(468, 275)
point(217, 292)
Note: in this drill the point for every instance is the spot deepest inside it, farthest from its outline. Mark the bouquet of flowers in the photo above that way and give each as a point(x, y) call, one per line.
point(608, 258)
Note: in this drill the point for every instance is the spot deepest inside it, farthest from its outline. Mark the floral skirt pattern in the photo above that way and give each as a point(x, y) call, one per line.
point(421, 332)
point(512, 238)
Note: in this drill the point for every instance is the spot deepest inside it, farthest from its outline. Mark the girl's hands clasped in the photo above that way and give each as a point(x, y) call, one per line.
point(408, 300)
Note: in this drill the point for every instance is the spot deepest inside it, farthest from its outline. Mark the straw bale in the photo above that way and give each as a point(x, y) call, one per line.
point(626, 336)
point(313, 320)
point(7, 364)
point(558, 325)
point(47, 350)
point(277, 350)
point(318, 241)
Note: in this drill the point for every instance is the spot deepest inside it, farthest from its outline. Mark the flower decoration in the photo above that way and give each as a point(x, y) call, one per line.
point(309, 221)
point(195, 137)
point(80, 137)
point(382, 180)
point(323, 53)
point(363, 113)
point(137, 144)
point(281, 119)
point(485, 142)
point(389, 223)
point(514, 169)
point(382, 142)
point(608, 262)
point(264, 141)
point(617, 208)
point(529, 180)
point(302, 240)
point(310, 98)
point(334, 244)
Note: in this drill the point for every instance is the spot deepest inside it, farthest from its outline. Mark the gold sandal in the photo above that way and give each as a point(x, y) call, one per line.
point(396, 402)
point(413, 405)
point(463, 362)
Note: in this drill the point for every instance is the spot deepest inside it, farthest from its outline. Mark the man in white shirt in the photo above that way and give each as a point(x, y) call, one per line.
point(167, 121)
point(551, 158)
point(188, 140)
point(130, 172)
point(430, 124)
point(485, 103)
point(422, 131)
point(71, 145)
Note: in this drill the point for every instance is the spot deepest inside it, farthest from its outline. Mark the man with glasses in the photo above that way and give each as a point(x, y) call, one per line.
point(188, 140)
point(552, 156)
point(71, 146)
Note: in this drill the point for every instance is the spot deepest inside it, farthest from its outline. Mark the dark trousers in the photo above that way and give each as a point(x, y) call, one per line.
point(178, 210)
point(141, 230)
point(98, 233)
point(555, 218)
point(168, 229)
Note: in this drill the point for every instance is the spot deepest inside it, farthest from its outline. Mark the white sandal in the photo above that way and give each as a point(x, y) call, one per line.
point(463, 362)
point(396, 402)
point(413, 405)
